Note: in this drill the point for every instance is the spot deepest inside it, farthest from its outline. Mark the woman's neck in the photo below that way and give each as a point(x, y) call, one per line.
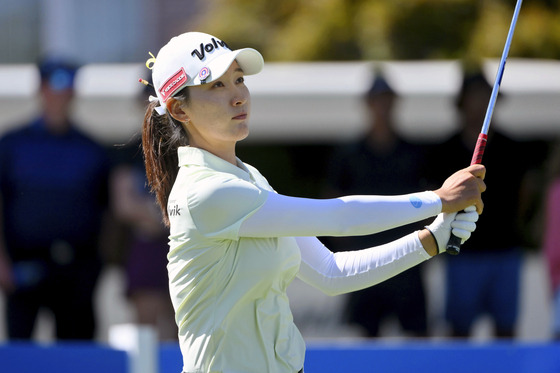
point(226, 153)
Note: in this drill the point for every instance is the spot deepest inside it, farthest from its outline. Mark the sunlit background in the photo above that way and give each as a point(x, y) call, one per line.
point(291, 30)
point(320, 57)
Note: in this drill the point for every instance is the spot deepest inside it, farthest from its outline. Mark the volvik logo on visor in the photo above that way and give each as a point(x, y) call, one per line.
point(208, 48)
point(173, 84)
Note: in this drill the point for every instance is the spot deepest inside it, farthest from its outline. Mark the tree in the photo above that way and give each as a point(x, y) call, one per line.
point(306, 30)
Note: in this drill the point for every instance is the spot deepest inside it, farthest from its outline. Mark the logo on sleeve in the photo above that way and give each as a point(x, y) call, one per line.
point(416, 202)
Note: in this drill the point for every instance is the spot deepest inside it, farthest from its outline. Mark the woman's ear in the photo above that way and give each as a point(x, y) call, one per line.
point(175, 108)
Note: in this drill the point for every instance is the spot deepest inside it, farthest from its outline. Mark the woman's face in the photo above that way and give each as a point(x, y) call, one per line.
point(218, 112)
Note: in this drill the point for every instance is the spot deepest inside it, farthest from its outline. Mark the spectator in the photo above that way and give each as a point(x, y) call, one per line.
point(53, 185)
point(381, 163)
point(146, 242)
point(495, 253)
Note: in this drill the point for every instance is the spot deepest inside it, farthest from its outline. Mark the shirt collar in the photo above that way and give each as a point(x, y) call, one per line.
point(199, 157)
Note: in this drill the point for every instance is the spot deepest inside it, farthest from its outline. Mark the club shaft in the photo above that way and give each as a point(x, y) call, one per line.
point(501, 68)
point(454, 244)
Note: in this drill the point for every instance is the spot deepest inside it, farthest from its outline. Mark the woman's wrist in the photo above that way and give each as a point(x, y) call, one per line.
point(428, 242)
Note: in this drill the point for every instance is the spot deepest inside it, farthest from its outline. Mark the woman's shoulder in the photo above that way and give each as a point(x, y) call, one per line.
point(203, 185)
point(215, 200)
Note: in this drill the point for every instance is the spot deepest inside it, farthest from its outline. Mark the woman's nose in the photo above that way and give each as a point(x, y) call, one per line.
point(241, 97)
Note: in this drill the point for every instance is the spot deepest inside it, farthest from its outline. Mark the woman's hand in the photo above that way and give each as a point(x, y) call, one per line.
point(461, 224)
point(463, 189)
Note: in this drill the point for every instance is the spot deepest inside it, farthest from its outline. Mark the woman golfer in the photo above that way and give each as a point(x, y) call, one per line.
point(235, 244)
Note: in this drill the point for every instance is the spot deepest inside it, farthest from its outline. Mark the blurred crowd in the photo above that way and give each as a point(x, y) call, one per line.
point(71, 206)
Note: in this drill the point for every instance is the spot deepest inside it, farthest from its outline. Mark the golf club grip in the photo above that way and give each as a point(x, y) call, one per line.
point(479, 149)
point(454, 244)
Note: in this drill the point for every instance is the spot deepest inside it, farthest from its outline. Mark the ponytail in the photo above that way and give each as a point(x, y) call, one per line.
point(162, 135)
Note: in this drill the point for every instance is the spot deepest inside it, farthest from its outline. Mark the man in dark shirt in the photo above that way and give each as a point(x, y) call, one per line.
point(485, 277)
point(381, 163)
point(54, 192)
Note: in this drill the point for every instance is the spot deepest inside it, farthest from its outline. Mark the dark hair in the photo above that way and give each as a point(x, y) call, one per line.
point(162, 135)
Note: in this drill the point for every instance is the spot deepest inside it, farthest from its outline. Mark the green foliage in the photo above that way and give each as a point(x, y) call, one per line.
point(433, 29)
point(307, 30)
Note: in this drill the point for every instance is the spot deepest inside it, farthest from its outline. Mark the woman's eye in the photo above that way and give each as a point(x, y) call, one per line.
point(241, 80)
point(217, 84)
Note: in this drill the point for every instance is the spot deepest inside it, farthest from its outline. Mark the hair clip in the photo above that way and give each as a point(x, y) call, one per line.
point(145, 82)
point(151, 61)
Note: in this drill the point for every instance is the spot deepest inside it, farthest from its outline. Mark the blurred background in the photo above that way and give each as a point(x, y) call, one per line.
point(321, 57)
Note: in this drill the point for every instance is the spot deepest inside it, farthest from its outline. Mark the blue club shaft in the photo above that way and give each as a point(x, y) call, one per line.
point(501, 68)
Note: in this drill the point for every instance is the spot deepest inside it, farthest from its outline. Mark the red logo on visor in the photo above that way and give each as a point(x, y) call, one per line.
point(173, 84)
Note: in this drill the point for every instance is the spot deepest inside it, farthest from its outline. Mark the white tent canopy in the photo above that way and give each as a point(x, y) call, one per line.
point(310, 102)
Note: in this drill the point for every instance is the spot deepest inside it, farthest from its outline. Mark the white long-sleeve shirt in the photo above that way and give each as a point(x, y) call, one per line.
point(235, 246)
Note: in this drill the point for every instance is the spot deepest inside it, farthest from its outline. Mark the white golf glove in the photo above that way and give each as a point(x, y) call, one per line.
point(462, 224)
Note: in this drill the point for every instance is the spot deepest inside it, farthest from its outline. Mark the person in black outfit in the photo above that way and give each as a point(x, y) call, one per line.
point(381, 163)
point(494, 254)
point(54, 194)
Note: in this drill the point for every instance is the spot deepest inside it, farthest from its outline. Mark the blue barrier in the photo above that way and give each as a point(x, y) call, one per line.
point(61, 358)
point(419, 357)
point(335, 357)
point(170, 359)
point(433, 358)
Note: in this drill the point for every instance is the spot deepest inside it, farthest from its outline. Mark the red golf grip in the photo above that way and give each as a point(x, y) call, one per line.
point(454, 244)
point(479, 149)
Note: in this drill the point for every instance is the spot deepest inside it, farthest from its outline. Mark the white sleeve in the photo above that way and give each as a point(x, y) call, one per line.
point(345, 216)
point(343, 272)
